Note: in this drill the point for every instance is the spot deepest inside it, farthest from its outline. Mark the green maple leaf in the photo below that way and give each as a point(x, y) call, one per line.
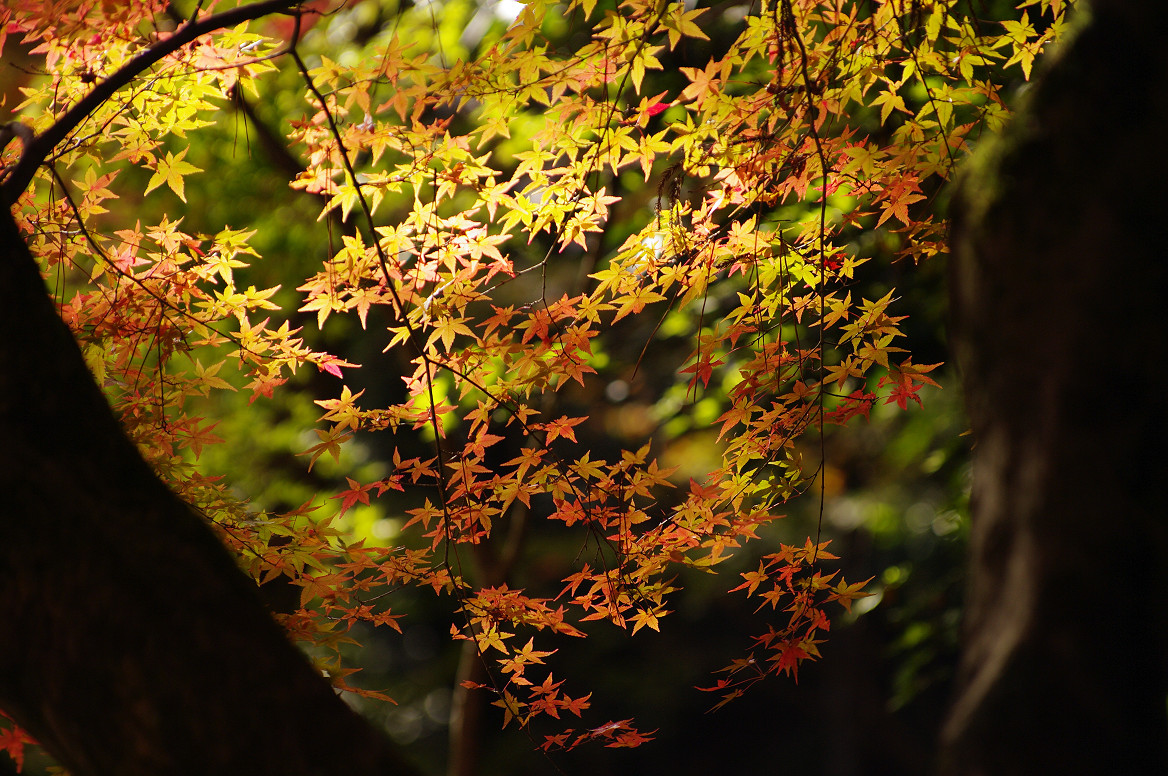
point(171, 171)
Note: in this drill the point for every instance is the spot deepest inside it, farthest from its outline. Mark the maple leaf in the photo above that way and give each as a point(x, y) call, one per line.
point(702, 370)
point(446, 329)
point(575, 706)
point(903, 392)
point(171, 171)
point(563, 427)
point(753, 579)
point(330, 443)
point(845, 593)
point(904, 192)
point(332, 364)
point(357, 493)
point(788, 659)
point(645, 618)
point(208, 376)
point(493, 637)
point(889, 100)
point(703, 82)
point(681, 22)
point(557, 741)
point(12, 742)
point(512, 708)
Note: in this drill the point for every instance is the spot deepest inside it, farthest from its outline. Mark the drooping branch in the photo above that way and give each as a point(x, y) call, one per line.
point(41, 146)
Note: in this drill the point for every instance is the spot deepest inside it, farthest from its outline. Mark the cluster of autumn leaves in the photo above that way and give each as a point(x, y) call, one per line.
point(731, 204)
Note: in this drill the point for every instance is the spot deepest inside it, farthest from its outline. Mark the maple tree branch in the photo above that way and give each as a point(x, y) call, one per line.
point(383, 261)
point(812, 113)
point(42, 145)
point(163, 303)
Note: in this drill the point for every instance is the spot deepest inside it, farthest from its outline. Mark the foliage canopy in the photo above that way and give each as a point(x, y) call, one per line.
point(531, 223)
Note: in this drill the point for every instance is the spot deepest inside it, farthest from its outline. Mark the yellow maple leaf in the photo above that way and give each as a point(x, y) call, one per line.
point(171, 171)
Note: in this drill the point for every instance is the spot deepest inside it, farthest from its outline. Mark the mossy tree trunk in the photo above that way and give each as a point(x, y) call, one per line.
point(1060, 312)
point(130, 643)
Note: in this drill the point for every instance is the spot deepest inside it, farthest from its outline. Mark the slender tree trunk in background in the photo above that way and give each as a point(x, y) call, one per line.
point(466, 714)
point(1060, 310)
point(129, 641)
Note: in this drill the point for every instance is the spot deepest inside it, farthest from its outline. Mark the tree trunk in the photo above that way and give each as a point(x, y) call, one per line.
point(1058, 295)
point(130, 642)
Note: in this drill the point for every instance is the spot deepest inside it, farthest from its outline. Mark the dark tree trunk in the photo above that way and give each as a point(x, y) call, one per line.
point(1060, 310)
point(129, 641)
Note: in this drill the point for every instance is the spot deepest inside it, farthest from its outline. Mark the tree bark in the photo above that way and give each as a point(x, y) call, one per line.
point(1058, 307)
point(131, 643)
